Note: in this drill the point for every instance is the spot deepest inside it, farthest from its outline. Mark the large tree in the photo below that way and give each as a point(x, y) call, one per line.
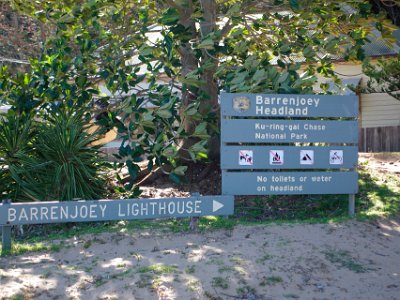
point(198, 48)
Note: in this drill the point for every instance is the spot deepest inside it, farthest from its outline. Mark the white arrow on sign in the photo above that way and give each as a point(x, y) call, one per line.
point(217, 205)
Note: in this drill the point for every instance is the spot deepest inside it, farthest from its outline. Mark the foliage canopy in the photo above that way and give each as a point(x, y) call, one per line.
point(165, 62)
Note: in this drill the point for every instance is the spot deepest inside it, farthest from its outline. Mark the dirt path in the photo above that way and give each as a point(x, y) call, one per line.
point(351, 260)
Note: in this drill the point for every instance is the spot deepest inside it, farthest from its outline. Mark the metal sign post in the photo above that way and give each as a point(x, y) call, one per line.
point(6, 231)
point(352, 205)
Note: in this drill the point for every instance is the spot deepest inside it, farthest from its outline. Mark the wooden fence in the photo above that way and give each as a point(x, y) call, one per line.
point(379, 139)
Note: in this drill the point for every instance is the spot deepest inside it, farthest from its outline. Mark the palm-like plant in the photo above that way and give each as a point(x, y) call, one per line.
point(16, 135)
point(51, 159)
point(73, 167)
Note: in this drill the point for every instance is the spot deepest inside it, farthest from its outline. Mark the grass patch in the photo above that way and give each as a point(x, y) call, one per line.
point(190, 269)
point(222, 267)
point(46, 274)
point(158, 269)
point(271, 280)
point(343, 258)
point(219, 282)
point(264, 258)
point(291, 296)
point(245, 291)
point(237, 260)
point(149, 276)
point(87, 244)
point(121, 274)
point(18, 248)
point(193, 285)
point(379, 195)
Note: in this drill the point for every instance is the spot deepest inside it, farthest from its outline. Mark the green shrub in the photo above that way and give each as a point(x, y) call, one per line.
point(50, 159)
point(72, 163)
point(16, 136)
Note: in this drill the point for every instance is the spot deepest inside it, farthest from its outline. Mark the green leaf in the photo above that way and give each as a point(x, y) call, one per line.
point(147, 120)
point(175, 178)
point(67, 19)
point(137, 80)
point(127, 110)
point(240, 78)
point(26, 79)
point(305, 81)
point(294, 4)
point(145, 50)
point(281, 63)
point(168, 105)
point(191, 110)
point(180, 170)
point(150, 165)
point(81, 81)
point(259, 75)
point(192, 81)
point(104, 74)
point(133, 169)
point(234, 9)
point(198, 147)
point(202, 155)
point(169, 17)
point(285, 49)
point(164, 113)
point(135, 192)
point(360, 54)
point(169, 152)
point(201, 130)
point(308, 52)
point(283, 77)
point(208, 44)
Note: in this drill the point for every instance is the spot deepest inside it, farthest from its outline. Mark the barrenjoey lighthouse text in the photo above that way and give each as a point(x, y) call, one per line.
point(289, 105)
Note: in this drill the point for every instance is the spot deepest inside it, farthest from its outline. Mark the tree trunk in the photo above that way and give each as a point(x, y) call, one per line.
point(206, 27)
point(190, 63)
point(188, 59)
point(211, 87)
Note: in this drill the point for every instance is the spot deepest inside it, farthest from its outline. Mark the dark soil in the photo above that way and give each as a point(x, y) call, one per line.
point(203, 178)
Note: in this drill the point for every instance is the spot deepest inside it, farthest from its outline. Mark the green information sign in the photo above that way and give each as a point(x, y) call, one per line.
point(288, 144)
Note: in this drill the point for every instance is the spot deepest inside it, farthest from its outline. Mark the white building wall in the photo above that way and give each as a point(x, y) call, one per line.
point(377, 110)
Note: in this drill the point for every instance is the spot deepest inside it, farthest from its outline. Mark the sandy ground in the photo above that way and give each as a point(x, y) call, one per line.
point(381, 162)
point(350, 260)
